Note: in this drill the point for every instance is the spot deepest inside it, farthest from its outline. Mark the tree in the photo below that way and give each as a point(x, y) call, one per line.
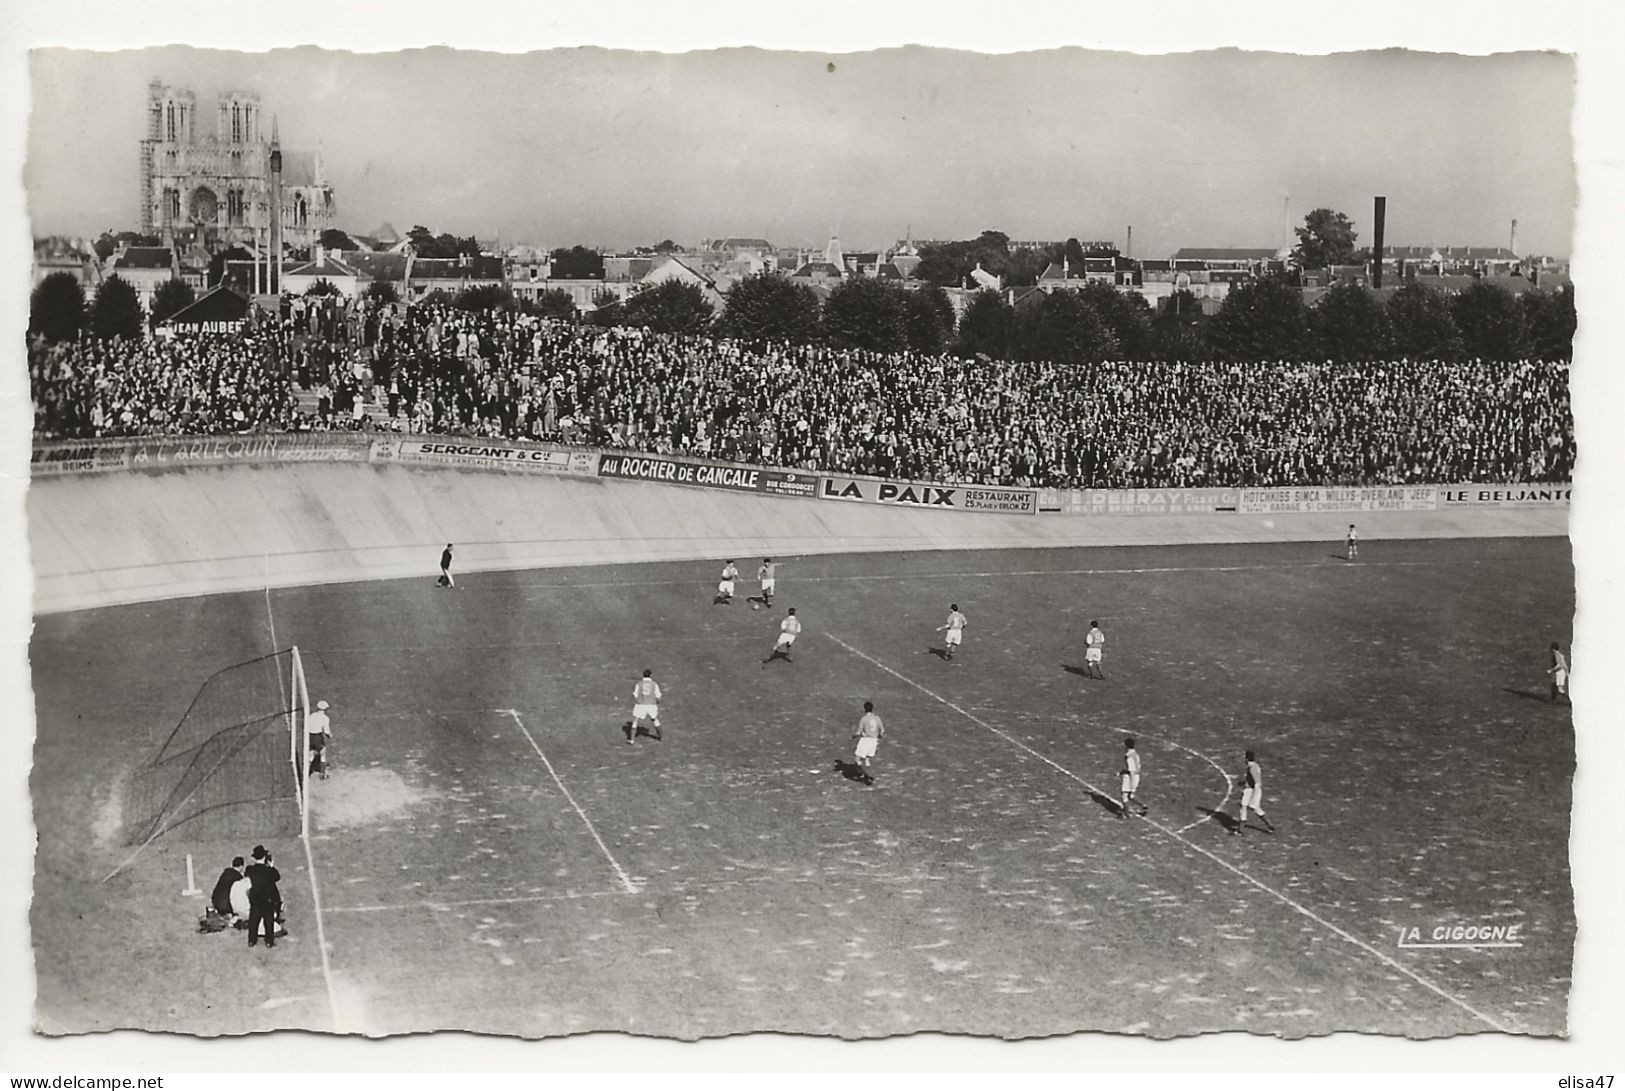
point(334, 239)
point(1549, 321)
point(948, 264)
point(555, 303)
point(1326, 238)
point(1178, 329)
point(865, 313)
point(929, 319)
point(770, 307)
point(56, 309)
point(1128, 316)
point(485, 297)
point(1262, 319)
point(116, 311)
point(670, 307)
point(1420, 325)
point(985, 327)
point(322, 286)
point(1349, 324)
point(109, 242)
point(426, 244)
point(606, 308)
point(171, 297)
point(1023, 266)
point(666, 246)
point(1490, 321)
point(1064, 329)
point(382, 291)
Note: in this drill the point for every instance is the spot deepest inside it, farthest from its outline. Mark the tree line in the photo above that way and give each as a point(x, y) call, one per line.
point(1263, 319)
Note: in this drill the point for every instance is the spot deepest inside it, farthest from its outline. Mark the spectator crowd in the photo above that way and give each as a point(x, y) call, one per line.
point(433, 369)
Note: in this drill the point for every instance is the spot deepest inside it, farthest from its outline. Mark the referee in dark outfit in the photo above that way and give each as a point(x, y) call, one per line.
point(264, 899)
point(445, 568)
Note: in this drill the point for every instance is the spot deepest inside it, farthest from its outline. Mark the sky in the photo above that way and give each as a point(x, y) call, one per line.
point(618, 148)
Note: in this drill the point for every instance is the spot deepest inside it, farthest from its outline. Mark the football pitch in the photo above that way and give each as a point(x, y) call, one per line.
point(489, 854)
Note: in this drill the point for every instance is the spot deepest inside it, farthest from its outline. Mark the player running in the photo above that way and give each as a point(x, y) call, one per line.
point(645, 706)
point(725, 589)
point(768, 574)
point(1096, 642)
point(955, 628)
point(868, 736)
point(1131, 780)
point(1353, 543)
point(789, 629)
point(1252, 795)
point(1559, 674)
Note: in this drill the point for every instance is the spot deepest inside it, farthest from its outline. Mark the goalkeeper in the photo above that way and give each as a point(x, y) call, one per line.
point(319, 732)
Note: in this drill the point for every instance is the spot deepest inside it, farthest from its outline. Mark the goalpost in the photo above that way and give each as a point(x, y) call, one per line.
point(299, 738)
point(235, 767)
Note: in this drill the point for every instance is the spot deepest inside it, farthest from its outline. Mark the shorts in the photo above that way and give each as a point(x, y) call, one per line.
point(1131, 783)
point(786, 639)
point(1560, 679)
point(866, 746)
point(767, 587)
point(318, 743)
point(955, 636)
point(1254, 798)
point(726, 587)
point(645, 712)
point(1092, 655)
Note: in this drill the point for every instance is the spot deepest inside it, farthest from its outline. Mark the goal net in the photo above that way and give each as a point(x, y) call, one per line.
point(233, 768)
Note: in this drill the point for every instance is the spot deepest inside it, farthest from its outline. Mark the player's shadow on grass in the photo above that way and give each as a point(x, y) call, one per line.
point(1229, 822)
point(940, 653)
point(851, 770)
point(1540, 695)
point(1081, 672)
point(632, 730)
point(1106, 802)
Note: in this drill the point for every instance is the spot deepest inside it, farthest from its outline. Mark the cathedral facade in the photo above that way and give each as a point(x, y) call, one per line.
point(208, 173)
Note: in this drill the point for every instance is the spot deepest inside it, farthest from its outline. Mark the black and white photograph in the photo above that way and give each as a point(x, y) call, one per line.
point(1078, 541)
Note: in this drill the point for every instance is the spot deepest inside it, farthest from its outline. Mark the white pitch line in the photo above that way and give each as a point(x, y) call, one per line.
point(569, 585)
point(517, 899)
point(1285, 899)
point(631, 887)
point(1229, 784)
point(310, 858)
point(893, 576)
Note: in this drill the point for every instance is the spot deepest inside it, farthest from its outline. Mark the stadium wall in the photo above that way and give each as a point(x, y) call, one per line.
point(151, 518)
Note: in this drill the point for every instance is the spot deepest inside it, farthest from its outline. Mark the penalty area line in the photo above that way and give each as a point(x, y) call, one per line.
point(1287, 900)
point(626, 882)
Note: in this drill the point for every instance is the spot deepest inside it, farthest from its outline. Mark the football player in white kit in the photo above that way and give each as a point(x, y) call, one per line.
point(1096, 642)
point(725, 589)
point(867, 736)
point(1252, 794)
point(645, 706)
point(1131, 780)
point(789, 629)
point(955, 628)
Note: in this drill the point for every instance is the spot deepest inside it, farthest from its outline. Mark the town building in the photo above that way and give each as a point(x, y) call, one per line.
point(208, 172)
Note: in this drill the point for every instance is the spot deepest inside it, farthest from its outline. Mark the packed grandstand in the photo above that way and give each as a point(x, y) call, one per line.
point(1114, 424)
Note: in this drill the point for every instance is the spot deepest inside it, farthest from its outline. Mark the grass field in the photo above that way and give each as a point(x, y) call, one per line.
point(489, 853)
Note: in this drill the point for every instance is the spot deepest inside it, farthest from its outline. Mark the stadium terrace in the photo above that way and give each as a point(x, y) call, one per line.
point(435, 370)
